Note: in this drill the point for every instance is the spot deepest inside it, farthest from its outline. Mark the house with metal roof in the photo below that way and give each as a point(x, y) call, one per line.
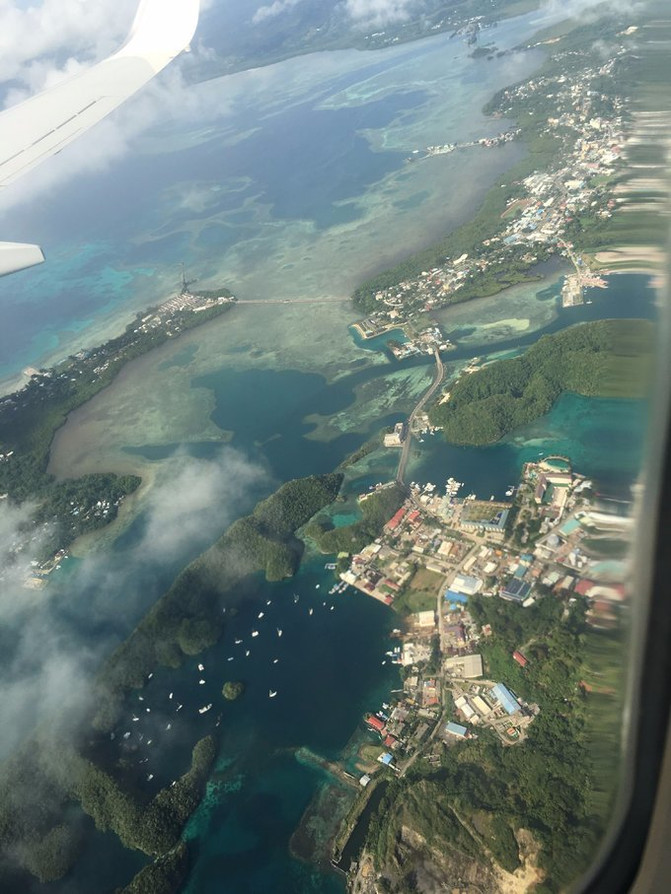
point(456, 729)
point(515, 590)
point(504, 697)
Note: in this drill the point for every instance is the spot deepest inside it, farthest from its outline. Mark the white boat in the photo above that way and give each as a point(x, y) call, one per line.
point(296, 597)
point(150, 676)
point(247, 653)
point(169, 726)
point(317, 586)
point(149, 741)
point(260, 615)
point(255, 632)
point(279, 631)
point(332, 607)
point(275, 660)
point(201, 667)
point(148, 710)
point(311, 611)
point(140, 698)
point(135, 719)
point(150, 777)
point(204, 709)
point(179, 708)
point(201, 682)
point(272, 693)
point(126, 735)
point(269, 601)
point(170, 696)
point(230, 659)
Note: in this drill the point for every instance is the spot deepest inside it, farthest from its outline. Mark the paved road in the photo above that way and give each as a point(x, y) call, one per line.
point(405, 452)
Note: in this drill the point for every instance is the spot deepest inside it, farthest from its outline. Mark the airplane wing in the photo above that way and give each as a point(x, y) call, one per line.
point(43, 125)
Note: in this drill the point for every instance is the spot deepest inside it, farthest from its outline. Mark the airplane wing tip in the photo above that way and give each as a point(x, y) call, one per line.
point(15, 256)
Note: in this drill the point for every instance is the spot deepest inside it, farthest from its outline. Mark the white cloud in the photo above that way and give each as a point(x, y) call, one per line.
point(52, 641)
point(273, 9)
point(377, 13)
point(191, 503)
point(88, 28)
point(588, 10)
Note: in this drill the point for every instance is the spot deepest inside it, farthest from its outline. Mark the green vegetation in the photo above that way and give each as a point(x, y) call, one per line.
point(366, 448)
point(232, 690)
point(559, 784)
point(154, 827)
point(420, 593)
point(188, 617)
point(35, 790)
point(29, 419)
point(165, 875)
point(586, 359)
point(39, 822)
point(376, 511)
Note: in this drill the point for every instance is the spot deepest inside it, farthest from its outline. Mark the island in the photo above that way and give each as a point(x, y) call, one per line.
point(498, 756)
point(607, 358)
point(232, 690)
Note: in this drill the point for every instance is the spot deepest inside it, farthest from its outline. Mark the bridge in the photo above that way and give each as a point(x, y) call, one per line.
point(405, 453)
point(268, 301)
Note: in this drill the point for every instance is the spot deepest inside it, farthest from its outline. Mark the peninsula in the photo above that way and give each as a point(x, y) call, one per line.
point(30, 417)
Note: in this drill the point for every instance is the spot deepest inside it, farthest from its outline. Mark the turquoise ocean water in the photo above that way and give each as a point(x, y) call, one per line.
point(329, 664)
point(110, 245)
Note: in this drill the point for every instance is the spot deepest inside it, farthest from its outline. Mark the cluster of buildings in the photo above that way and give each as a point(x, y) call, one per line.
point(444, 549)
point(165, 313)
point(539, 220)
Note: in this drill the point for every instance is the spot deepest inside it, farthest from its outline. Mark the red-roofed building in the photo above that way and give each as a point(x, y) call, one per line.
point(519, 658)
point(583, 587)
point(390, 742)
point(414, 515)
point(394, 522)
point(375, 723)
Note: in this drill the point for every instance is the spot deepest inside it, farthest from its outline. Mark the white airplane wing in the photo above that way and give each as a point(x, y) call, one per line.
point(41, 126)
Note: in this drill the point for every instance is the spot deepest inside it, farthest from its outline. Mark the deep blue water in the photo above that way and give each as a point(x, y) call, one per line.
point(303, 163)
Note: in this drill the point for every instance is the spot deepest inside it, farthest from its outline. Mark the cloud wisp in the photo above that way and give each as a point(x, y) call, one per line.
point(53, 641)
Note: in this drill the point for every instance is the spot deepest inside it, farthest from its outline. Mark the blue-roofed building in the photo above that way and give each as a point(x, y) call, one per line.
point(453, 596)
point(456, 729)
point(386, 759)
point(504, 697)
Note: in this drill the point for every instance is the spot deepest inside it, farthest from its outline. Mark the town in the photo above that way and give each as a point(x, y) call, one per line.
point(439, 550)
point(545, 210)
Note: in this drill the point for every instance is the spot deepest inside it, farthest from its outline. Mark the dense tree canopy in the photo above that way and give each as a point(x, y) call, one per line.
point(485, 406)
